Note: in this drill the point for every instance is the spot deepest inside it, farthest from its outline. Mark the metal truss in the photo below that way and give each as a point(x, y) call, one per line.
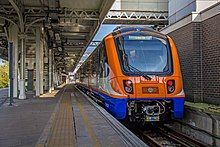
point(114, 16)
point(118, 16)
point(8, 10)
point(63, 13)
point(42, 12)
point(34, 10)
point(8, 13)
point(71, 13)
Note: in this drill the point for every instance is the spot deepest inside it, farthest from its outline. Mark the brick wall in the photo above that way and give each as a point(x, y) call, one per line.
point(198, 44)
point(211, 59)
point(186, 41)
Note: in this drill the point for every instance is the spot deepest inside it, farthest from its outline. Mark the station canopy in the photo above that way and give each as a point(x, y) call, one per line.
point(69, 25)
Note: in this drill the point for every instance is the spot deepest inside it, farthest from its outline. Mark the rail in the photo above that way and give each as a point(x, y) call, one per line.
point(165, 136)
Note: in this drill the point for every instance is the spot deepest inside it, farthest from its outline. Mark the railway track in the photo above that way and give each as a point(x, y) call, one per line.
point(164, 136)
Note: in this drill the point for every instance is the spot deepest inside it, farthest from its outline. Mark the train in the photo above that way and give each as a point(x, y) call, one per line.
point(135, 74)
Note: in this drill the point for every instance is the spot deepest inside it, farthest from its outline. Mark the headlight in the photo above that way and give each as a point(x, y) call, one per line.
point(128, 86)
point(170, 86)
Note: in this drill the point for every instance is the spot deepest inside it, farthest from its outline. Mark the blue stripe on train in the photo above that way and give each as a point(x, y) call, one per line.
point(118, 106)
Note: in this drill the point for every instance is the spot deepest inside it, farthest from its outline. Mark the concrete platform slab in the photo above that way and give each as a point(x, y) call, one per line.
point(23, 123)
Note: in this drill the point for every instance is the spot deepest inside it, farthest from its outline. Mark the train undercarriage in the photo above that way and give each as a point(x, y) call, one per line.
point(144, 111)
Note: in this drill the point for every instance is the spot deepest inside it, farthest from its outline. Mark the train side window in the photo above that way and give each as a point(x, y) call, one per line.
point(106, 70)
point(106, 66)
point(101, 69)
point(94, 63)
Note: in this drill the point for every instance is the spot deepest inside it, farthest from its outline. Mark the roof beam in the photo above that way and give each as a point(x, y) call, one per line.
point(136, 17)
point(20, 16)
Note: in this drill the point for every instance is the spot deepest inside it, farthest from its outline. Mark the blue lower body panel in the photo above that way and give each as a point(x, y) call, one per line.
point(118, 106)
point(178, 107)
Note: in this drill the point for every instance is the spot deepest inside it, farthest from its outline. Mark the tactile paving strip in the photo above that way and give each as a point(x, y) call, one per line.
point(63, 129)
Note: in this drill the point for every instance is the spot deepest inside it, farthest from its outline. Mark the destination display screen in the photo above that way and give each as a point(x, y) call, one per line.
point(140, 37)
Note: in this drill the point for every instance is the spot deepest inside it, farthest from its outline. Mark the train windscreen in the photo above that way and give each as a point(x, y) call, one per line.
point(143, 53)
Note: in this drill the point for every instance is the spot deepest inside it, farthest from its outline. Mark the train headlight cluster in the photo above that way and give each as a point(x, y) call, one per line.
point(128, 86)
point(170, 86)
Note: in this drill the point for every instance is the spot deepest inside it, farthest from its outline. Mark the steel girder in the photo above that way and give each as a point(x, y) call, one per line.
point(62, 12)
point(136, 17)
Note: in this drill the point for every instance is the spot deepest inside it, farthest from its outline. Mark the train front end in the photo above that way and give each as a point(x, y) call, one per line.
point(147, 73)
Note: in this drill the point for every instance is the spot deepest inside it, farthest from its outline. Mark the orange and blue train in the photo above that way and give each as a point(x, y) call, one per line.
point(135, 73)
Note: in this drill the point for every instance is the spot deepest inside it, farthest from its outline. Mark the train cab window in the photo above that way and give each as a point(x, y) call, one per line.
point(141, 53)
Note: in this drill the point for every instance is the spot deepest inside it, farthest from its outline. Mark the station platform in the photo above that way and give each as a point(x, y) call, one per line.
point(22, 124)
point(66, 118)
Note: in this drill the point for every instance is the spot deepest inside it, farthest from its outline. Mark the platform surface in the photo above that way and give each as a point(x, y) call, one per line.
point(22, 124)
point(78, 123)
point(67, 119)
point(91, 128)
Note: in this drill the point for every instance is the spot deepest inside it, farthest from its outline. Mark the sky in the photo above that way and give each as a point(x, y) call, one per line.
point(104, 30)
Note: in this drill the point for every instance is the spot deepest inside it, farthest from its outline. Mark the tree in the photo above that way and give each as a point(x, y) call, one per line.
point(4, 75)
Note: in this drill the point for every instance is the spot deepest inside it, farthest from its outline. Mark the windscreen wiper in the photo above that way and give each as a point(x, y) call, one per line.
point(140, 72)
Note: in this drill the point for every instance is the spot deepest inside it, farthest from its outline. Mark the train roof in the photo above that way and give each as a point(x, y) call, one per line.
point(124, 29)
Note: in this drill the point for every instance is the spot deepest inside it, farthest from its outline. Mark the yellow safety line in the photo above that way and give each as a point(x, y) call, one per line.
point(62, 133)
point(42, 141)
point(95, 140)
